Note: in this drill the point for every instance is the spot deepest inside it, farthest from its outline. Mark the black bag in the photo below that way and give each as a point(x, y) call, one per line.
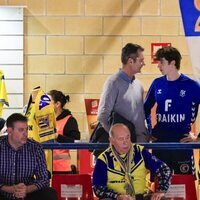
point(100, 135)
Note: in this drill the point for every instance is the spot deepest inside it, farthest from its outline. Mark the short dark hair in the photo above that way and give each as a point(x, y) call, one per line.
point(170, 54)
point(59, 96)
point(15, 117)
point(130, 51)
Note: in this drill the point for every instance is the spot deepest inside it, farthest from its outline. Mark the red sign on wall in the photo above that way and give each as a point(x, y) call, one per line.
point(91, 111)
point(155, 47)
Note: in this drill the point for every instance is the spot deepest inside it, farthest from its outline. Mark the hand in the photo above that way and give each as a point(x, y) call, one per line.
point(158, 196)
point(20, 190)
point(152, 138)
point(125, 197)
point(191, 137)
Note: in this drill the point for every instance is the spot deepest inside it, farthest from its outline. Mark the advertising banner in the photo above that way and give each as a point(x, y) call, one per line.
point(190, 11)
point(91, 106)
point(86, 159)
point(41, 120)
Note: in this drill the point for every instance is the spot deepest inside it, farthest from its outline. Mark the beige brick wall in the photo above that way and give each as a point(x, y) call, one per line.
point(74, 45)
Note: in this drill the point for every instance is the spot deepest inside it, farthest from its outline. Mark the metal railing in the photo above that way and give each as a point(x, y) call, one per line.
point(92, 146)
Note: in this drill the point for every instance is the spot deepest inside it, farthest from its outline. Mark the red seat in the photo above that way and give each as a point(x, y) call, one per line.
point(188, 181)
point(71, 180)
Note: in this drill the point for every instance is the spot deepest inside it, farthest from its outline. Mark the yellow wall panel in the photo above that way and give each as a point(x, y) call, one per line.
point(64, 7)
point(131, 7)
point(83, 26)
point(141, 8)
point(121, 26)
point(170, 8)
point(67, 83)
point(84, 65)
point(46, 64)
point(35, 7)
point(17, 2)
point(103, 7)
point(35, 44)
point(33, 81)
point(103, 45)
point(64, 45)
point(45, 26)
point(112, 64)
point(94, 83)
point(76, 103)
point(3, 2)
point(150, 8)
point(160, 26)
point(186, 65)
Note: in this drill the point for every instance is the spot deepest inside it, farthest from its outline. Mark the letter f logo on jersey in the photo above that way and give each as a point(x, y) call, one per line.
point(168, 103)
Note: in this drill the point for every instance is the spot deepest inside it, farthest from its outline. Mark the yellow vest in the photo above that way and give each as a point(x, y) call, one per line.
point(41, 118)
point(116, 177)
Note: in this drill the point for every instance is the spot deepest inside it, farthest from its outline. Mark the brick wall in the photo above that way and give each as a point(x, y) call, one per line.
point(73, 45)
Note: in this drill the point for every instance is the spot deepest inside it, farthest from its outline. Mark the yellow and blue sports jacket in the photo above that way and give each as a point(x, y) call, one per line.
point(109, 178)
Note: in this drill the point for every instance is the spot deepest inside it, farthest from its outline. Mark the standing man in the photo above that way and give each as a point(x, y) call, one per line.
point(23, 170)
point(123, 93)
point(177, 98)
point(120, 171)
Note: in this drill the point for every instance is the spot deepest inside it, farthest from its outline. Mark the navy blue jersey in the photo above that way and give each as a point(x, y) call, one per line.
point(177, 106)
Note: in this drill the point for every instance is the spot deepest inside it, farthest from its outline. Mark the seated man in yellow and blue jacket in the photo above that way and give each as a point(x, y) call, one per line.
point(120, 171)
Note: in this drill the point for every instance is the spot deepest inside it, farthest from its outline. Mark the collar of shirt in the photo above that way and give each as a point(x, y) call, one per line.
point(8, 144)
point(125, 77)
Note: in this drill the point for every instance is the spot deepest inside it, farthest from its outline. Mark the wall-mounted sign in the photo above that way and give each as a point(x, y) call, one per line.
point(91, 111)
point(155, 47)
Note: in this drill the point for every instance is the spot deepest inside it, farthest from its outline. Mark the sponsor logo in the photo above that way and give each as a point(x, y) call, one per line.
point(168, 103)
point(184, 168)
point(159, 91)
point(172, 118)
point(182, 93)
point(44, 101)
point(43, 122)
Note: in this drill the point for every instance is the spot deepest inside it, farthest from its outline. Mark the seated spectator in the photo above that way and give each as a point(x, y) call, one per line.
point(120, 171)
point(67, 131)
point(23, 170)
